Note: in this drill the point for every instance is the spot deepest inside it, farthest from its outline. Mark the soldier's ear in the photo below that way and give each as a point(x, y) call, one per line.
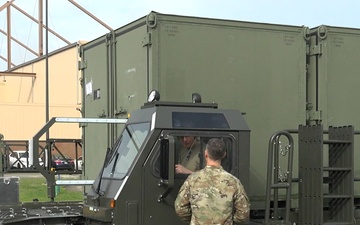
point(224, 155)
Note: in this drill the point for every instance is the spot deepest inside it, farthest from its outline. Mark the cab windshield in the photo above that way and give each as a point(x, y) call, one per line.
point(125, 150)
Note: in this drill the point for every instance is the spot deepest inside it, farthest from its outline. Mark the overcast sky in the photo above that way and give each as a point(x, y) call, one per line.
point(74, 25)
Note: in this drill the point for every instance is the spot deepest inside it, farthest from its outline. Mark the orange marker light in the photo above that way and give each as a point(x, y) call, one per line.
point(112, 203)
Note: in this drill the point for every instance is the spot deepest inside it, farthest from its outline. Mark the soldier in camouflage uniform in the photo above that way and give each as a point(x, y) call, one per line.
point(212, 195)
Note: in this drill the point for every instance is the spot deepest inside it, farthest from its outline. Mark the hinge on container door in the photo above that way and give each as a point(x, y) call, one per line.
point(315, 116)
point(83, 125)
point(311, 115)
point(316, 50)
point(147, 40)
point(82, 65)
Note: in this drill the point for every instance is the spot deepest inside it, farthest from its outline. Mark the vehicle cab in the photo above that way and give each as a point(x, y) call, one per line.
point(138, 183)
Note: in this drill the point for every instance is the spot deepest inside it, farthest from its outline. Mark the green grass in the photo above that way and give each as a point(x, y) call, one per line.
point(31, 188)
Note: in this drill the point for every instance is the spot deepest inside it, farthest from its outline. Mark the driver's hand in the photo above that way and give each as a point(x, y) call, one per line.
point(180, 169)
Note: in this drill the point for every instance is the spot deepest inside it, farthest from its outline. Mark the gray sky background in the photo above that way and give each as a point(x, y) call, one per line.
point(74, 25)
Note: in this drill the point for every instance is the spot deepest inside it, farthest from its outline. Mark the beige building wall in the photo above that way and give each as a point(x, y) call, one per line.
point(23, 99)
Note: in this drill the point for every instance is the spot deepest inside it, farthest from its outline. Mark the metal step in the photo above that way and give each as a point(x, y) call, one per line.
point(338, 196)
point(336, 142)
point(337, 169)
point(280, 185)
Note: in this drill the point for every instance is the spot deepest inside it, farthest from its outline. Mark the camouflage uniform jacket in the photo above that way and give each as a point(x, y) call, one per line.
point(212, 196)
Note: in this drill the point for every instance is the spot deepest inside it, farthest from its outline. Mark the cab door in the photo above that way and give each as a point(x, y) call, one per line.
point(159, 194)
point(161, 184)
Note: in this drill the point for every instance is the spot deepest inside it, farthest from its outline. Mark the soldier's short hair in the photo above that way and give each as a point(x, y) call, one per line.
point(216, 148)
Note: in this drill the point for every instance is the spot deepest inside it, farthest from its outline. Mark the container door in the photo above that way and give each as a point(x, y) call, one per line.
point(95, 105)
point(115, 82)
point(132, 65)
point(335, 78)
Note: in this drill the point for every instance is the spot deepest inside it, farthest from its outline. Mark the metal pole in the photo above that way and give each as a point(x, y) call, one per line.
point(41, 50)
point(8, 37)
point(2, 153)
point(51, 190)
point(47, 67)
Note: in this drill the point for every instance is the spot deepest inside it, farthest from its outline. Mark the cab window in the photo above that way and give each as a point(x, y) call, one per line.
point(125, 150)
point(189, 152)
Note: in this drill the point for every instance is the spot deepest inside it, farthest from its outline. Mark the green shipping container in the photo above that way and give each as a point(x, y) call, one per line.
point(260, 69)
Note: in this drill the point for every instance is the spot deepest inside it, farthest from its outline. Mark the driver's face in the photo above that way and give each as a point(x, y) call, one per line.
point(187, 141)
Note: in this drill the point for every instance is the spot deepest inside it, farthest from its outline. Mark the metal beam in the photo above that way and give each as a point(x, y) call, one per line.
point(3, 58)
point(91, 15)
point(50, 175)
point(21, 44)
point(74, 182)
point(17, 74)
point(36, 21)
point(88, 120)
point(6, 5)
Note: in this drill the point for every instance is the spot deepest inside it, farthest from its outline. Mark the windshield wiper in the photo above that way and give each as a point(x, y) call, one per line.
point(114, 165)
point(98, 191)
point(132, 138)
